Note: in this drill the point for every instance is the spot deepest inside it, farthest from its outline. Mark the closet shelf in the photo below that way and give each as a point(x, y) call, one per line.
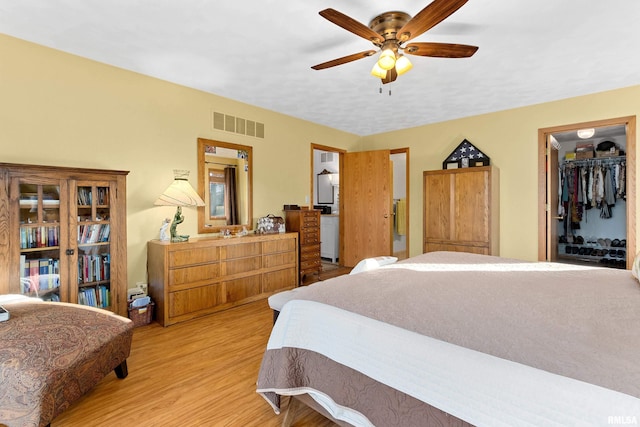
point(595, 161)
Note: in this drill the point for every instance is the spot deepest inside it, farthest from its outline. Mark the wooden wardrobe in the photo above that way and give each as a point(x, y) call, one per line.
point(461, 210)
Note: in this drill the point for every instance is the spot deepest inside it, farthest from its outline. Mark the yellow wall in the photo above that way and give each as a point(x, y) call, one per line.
point(63, 110)
point(510, 139)
point(59, 109)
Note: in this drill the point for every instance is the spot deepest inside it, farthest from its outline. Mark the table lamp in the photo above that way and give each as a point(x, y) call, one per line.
point(180, 193)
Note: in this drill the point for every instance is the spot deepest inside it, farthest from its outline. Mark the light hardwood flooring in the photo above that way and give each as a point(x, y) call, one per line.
point(198, 373)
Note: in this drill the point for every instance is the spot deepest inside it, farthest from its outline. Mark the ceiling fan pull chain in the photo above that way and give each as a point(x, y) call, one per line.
point(380, 91)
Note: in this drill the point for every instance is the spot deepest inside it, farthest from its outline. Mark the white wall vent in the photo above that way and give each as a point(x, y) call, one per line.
point(326, 157)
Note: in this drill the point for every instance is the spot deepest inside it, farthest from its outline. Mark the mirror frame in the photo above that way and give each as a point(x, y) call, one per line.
point(202, 227)
point(323, 192)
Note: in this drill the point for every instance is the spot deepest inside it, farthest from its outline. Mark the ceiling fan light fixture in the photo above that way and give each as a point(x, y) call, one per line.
point(376, 71)
point(387, 59)
point(586, 133)
point(403, 65)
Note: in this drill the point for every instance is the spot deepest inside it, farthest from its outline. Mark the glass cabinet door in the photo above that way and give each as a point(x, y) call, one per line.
point(40, 240)
point(93, 245)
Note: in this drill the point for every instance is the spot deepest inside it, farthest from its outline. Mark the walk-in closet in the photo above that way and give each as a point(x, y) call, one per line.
point(591, 196)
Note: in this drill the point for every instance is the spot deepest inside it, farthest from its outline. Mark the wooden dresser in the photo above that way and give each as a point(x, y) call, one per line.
point(307, 223)
point(209, 274)
point(461, 210)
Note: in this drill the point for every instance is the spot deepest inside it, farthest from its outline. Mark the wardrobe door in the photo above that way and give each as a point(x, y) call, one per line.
point(471, 207)
point(437, 207)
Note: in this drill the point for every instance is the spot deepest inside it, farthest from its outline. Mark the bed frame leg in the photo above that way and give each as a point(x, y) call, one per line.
point(121, 370)
point(292, 410)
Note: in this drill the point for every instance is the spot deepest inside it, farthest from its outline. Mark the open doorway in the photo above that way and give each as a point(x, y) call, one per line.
point(326, 164)
point(400, 161)
point(327, 170)
point(587, 193)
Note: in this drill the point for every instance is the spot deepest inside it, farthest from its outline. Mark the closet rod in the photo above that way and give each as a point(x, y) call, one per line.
point(595, 161)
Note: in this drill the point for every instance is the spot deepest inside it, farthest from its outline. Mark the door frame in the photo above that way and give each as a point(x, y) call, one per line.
point(312, 178)
point(405, 150)
point(341, 153)
point(545, 176)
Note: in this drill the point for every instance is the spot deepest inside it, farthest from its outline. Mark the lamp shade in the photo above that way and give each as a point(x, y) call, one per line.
point(387, 59)
point(403, 65)
point(376, 71)
point(180, 192)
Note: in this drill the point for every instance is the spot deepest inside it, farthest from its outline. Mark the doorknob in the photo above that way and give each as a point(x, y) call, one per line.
point(386, 215)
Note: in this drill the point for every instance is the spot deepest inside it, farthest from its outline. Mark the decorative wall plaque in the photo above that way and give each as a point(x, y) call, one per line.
point(466, 155)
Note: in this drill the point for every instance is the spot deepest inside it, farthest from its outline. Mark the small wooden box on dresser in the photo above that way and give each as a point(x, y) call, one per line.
point(307, 223)
point(209, 274)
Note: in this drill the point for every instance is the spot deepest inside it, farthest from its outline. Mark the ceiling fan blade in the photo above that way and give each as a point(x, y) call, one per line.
point(392, 75)
point(428, 18)
point(350, 24)
point(440, 50)
point(343, 60)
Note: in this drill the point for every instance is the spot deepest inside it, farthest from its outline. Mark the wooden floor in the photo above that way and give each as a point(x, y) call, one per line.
point(198, 373)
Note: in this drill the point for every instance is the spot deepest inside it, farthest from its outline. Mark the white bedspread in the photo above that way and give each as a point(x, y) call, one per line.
point(481, 389)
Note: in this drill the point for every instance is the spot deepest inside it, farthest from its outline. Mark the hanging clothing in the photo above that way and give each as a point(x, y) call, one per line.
point(588, 184)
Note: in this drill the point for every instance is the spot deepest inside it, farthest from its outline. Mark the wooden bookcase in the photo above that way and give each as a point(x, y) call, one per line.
point(461, 210)
point(63, 234)
point(209, 274)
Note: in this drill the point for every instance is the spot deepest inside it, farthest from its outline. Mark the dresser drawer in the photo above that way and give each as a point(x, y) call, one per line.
point(283, 258)
point(310, 219)
point(307, 251)
point(242, 289)
point(181, 276)
point(280, 279)
point(280, 245)
point(310, 264)
point(241, 265)
point(309, 237)
point(192, 257)
point(240, 250)
point(196, 299)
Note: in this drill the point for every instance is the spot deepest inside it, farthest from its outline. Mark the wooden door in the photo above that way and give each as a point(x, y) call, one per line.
point(366, 195)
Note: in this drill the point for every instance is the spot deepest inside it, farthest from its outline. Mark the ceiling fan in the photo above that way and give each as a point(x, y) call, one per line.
point(391, 30)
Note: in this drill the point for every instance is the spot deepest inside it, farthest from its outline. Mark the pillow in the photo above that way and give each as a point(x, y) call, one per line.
point(635, 267)
point(373, 263)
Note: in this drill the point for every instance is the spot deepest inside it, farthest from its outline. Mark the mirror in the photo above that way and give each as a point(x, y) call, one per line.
point(225, 172)
point(325, 187)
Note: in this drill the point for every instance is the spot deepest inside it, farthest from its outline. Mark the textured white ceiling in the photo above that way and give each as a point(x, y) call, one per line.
point(260, 52)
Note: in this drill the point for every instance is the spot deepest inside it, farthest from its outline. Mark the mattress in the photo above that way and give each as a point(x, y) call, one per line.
point(489, 340)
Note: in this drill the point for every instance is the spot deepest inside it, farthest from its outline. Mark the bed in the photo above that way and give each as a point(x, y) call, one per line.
point(456, 339)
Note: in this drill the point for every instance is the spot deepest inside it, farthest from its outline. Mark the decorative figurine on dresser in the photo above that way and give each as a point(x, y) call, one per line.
point(307, 223)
